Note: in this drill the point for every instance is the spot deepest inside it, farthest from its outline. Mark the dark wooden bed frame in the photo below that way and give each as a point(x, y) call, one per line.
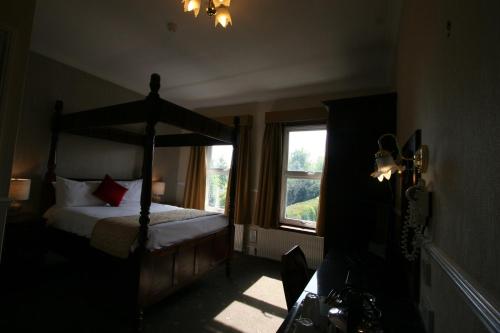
point(151, 275)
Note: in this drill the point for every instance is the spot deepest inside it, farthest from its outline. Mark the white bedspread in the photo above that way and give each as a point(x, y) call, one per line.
point(81, 221)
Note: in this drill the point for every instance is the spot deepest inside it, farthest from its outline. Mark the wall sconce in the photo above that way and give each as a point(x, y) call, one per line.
point(418, 198)
point(158, 190)
point(386, 165)
point(19, 191)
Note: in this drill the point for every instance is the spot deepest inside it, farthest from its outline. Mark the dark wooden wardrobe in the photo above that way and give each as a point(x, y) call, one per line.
point(360, 213)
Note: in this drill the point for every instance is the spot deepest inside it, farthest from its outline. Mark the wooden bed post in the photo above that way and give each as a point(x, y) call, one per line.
point(232, 192)
point(50, 174)
point(147, 161)
point(147, 175)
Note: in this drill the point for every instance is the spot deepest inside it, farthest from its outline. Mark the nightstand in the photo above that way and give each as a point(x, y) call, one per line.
point(24, 240)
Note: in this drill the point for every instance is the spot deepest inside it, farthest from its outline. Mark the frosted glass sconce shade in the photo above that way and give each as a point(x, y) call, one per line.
point(385, 166)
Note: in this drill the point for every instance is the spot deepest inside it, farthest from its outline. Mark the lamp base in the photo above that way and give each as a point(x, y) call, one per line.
point(158, 198)
point(15, 208)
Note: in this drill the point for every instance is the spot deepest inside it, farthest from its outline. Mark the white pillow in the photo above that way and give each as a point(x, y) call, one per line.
point(134, 190)
point(70, 193)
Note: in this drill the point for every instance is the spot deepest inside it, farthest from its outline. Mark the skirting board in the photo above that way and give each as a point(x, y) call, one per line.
point(482, 307)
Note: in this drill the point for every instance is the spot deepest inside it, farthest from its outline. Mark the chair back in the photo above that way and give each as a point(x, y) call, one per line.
point(294, 274)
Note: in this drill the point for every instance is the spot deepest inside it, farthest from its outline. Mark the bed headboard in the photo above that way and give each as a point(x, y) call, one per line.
point(49, 191)
point(48, 198)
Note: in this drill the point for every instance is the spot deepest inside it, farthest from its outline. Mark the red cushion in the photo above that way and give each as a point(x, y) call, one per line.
point(110, 191)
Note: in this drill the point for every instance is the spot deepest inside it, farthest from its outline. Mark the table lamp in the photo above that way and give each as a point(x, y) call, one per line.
point(158, 190)
point(19, 191)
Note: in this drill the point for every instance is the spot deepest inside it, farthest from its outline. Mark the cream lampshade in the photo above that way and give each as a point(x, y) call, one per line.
point(19, 190)
point(158, 188)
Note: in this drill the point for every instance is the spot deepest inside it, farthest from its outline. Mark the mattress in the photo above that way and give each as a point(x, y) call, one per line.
point(81, 221)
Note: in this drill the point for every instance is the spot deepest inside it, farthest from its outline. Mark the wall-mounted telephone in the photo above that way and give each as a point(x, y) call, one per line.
point(415, 221)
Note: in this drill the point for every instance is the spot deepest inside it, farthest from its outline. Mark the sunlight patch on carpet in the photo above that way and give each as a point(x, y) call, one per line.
point(268, 290)
point(260, 309)
point(245, 318)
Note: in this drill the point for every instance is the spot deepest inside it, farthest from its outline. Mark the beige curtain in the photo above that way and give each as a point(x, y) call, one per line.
point(242, 213)
point(267, 208)
point(194, 192)
point(320, 224)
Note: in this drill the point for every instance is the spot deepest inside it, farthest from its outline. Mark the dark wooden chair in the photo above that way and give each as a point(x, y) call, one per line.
point(294, 274)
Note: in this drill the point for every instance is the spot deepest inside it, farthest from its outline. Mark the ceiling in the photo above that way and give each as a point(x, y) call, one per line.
point(275, 49)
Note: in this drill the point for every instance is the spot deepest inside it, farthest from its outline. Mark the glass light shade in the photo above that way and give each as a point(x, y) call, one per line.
point(192, 6)
point(223, 17)
point(19, 189)
point(158, 188)
point(218, 3)
point(385, 166)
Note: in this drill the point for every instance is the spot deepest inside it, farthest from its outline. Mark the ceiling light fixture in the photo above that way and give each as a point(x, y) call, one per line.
point(217, 8)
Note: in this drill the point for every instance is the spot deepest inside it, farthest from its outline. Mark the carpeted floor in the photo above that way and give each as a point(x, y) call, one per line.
point(62, 297)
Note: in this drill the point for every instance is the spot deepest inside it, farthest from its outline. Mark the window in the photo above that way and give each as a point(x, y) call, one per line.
point(304, 156)
point(218, 165)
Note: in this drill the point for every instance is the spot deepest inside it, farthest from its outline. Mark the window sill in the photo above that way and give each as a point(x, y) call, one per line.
point(214, 210)
point(300, 230)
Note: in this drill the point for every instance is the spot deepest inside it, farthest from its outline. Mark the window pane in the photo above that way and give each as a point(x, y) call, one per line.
point(302, 199)
point(306, 150)
point(216, 190)
point(218, 165)
point(219, 157)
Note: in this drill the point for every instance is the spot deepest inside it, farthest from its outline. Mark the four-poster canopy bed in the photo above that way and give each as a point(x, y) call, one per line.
point(154, 273)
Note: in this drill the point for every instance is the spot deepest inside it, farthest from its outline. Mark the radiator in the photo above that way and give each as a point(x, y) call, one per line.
point(273, 243)
point(238, 237)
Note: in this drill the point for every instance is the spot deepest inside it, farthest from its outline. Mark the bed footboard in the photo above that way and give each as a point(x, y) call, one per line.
point(165, 271)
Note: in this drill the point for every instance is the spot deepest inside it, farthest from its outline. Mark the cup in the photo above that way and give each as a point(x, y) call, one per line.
point(311, 308)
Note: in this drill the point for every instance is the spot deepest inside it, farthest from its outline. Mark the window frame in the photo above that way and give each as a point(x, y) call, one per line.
point(214, 171)
point(285, 174)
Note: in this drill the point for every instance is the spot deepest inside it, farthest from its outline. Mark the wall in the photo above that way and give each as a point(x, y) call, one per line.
point(448, 84)
point(15, 17)
point(79, 157)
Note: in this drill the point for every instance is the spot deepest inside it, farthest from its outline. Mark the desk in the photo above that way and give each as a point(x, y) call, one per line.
point(367, 272)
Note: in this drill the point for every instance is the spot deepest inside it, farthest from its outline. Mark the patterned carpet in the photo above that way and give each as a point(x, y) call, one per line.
point(62, 297)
